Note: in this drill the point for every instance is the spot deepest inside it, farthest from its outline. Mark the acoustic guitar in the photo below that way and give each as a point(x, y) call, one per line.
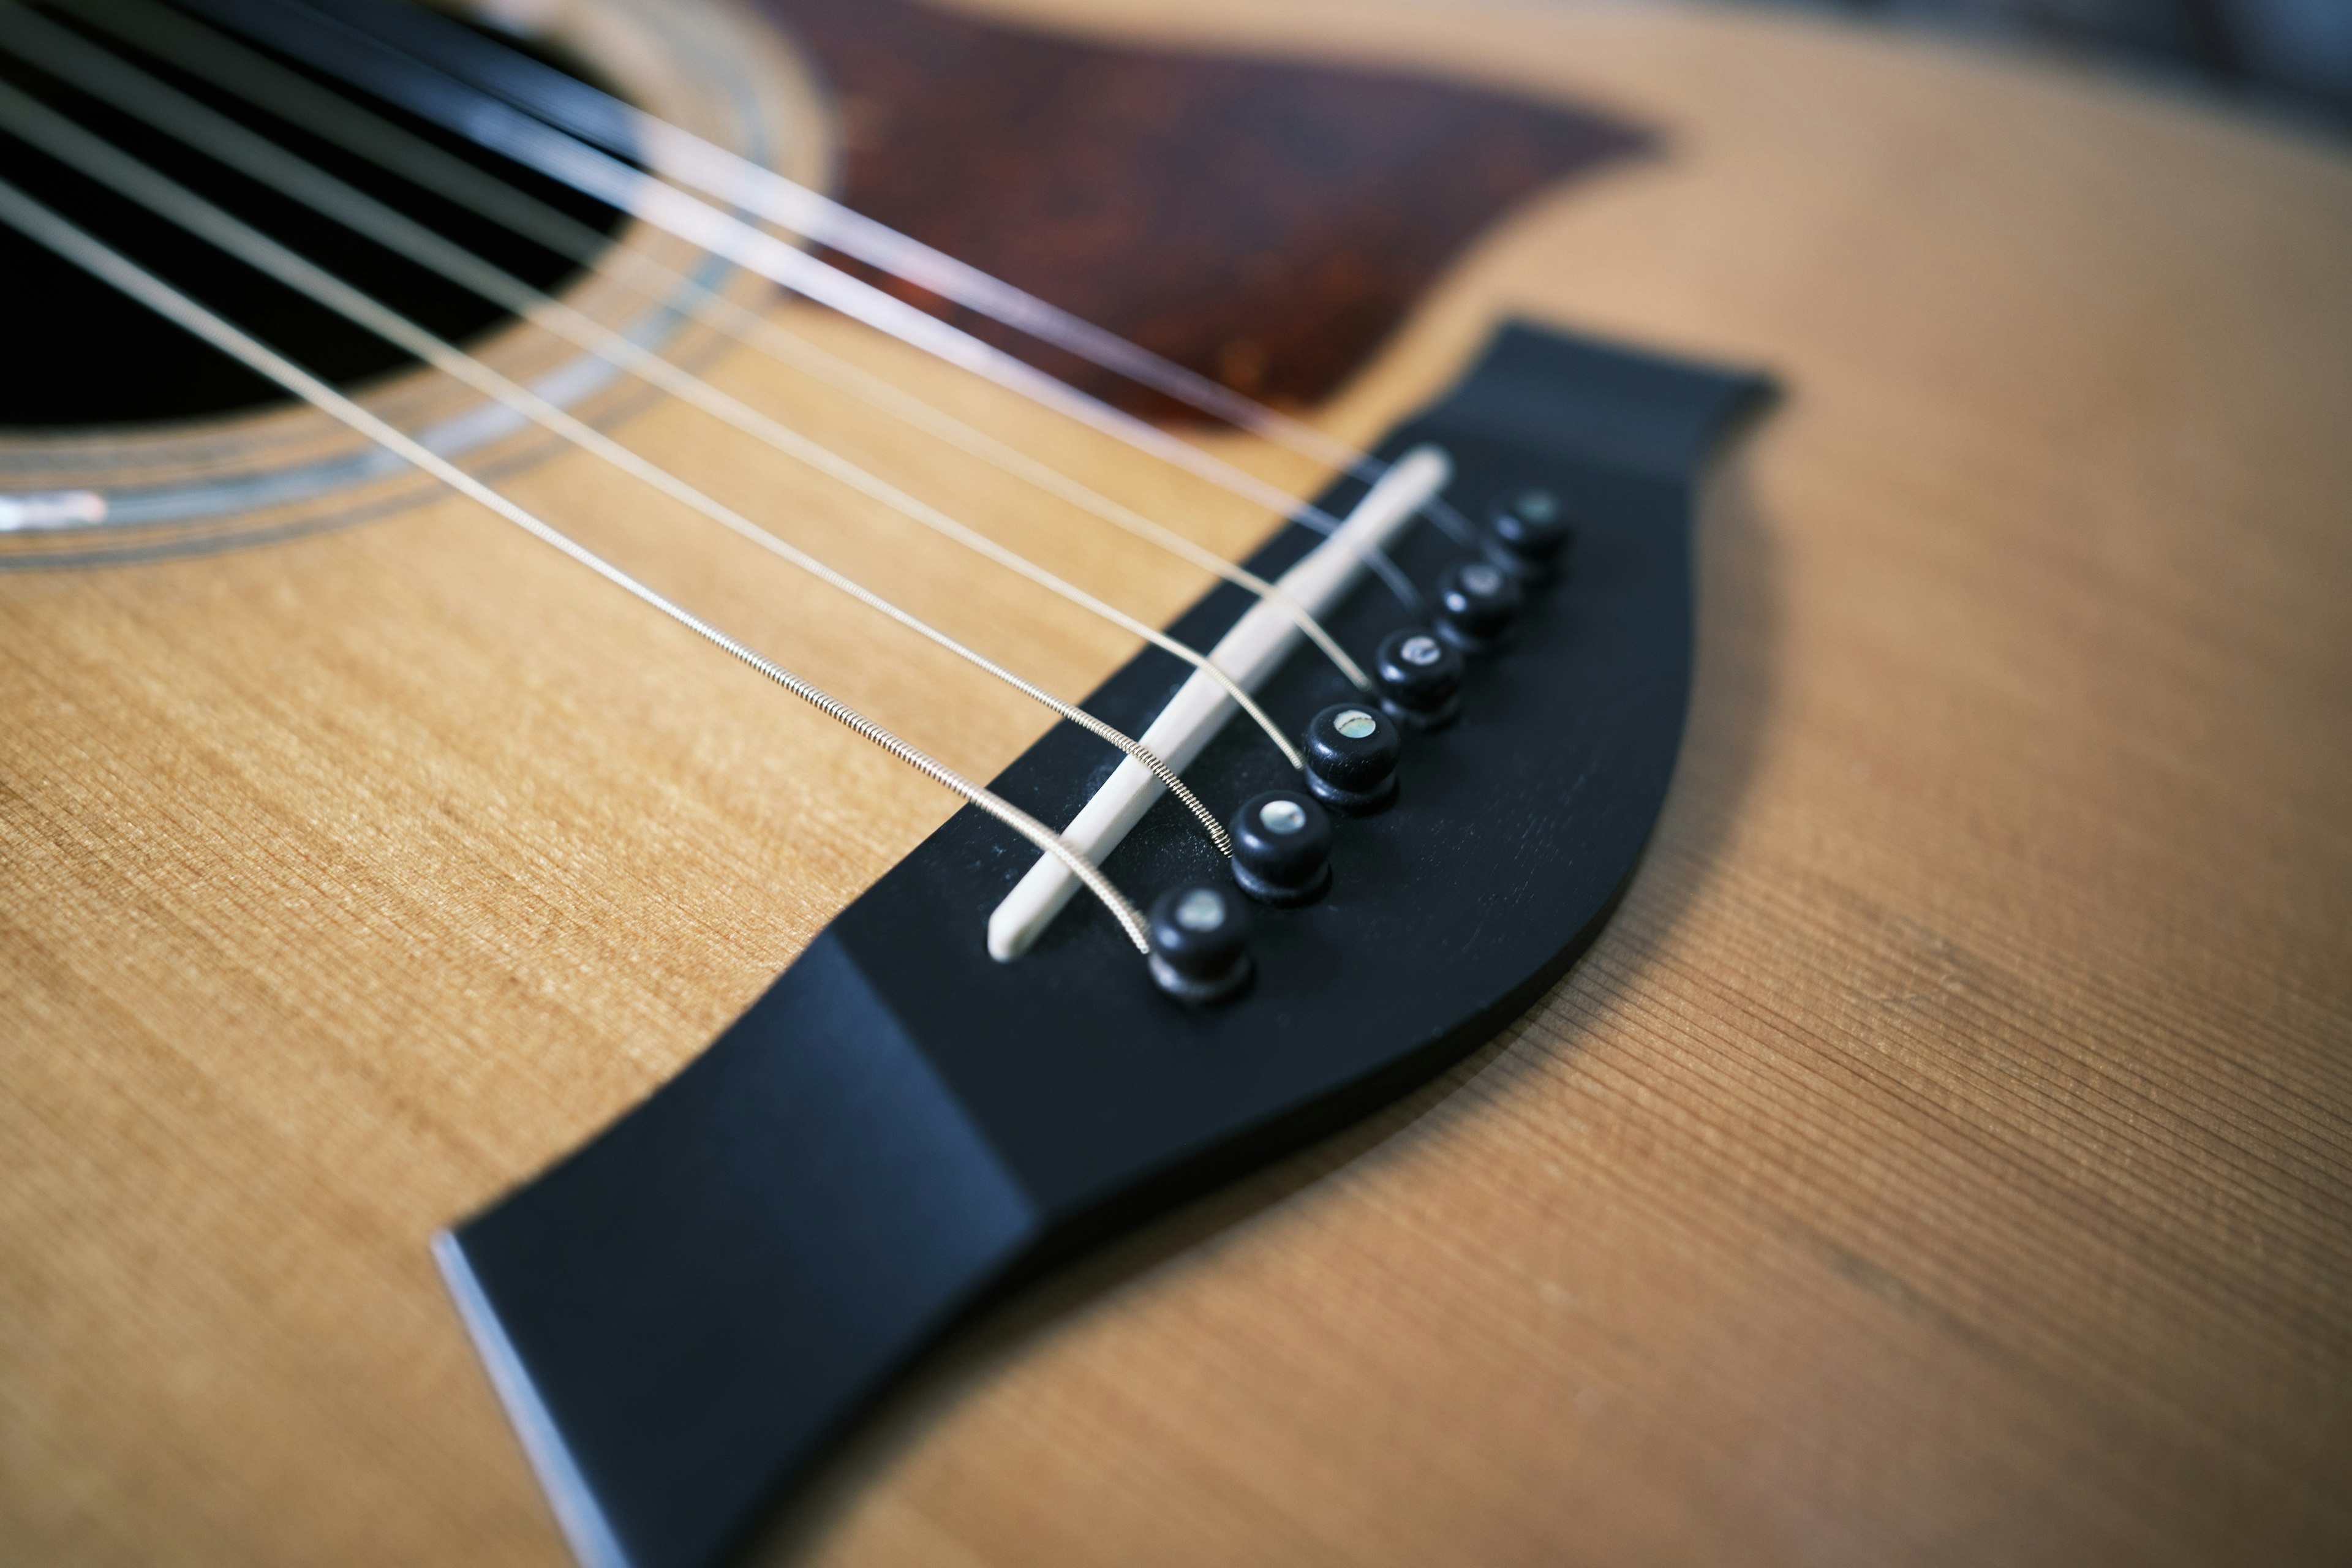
point(1626, 841)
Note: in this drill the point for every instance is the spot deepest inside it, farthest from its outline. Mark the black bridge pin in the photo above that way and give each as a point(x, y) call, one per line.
point(1282, 848)
point(1200, 944)
point(1528, 532)
point(1420, 677)
point(1477, 602)
point(1351, 757)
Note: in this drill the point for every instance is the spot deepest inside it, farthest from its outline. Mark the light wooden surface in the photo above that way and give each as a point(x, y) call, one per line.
point(1944, 1156)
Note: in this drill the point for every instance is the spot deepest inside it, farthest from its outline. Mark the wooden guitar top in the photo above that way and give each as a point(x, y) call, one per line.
point(1946, 1153)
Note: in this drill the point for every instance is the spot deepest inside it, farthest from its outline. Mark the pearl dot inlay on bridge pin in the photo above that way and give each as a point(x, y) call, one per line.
point(1200, 910)
point(1282, 816)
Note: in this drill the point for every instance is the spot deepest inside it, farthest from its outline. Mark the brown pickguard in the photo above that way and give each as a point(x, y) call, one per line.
point(1265, 225)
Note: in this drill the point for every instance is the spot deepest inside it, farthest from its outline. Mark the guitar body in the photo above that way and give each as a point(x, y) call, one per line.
point(1943, 1153)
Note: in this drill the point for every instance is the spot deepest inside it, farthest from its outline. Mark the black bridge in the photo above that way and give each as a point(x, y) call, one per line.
point(680, 1315)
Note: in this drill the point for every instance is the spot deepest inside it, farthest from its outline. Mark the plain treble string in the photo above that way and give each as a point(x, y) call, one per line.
point(144, 96)
point(377, 67)
point(61, 138)
point(47, 228)
point(677, 154)
point(234, 68)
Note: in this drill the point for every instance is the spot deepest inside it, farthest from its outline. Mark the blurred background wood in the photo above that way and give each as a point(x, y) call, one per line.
point(1944, 1156)
point(2287, 57)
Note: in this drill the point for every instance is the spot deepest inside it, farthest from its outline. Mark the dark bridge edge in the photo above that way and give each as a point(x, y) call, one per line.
point(792, 1228)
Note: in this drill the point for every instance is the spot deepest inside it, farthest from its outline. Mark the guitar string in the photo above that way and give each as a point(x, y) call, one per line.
point(212, 57)
point(133, 90)
point(440, 58)
point(49, 229)
point(61, 138)
point(622, 128)
point(378, 69)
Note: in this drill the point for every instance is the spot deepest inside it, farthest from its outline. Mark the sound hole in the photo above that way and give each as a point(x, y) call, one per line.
point(80, 354)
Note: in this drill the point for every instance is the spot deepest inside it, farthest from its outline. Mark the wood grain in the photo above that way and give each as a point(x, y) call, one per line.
point(1944, 1156)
